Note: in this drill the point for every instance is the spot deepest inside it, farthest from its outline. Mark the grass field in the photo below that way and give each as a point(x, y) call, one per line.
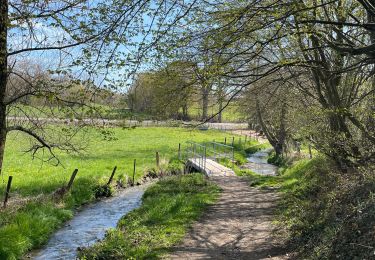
point(32, 177)
point(28, 225)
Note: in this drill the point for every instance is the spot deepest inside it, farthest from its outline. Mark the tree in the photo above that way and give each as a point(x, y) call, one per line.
point(79, 42)
point(324, 41)
point(164, 93)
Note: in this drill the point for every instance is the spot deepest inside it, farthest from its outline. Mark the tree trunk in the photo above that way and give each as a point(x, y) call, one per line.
point(281, 131)
point(205, 94)
point(220, 116)
point(3, 75)
point(185, 115)
point(278, 147)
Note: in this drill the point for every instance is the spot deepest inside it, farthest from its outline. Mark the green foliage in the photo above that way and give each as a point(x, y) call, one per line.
point(276, 160)
point(29, 228)
point(325, 214)
point(256, 148)
point(168, 209)
point(103, 191)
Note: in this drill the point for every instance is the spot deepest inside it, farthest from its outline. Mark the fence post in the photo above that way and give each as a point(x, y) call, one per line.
point(10, 178)
point(157, 160)
point(179, 151)
point(205, 155)
point(225, 140)
point(214, 151)
point(112, 175)
point(135, 163)
point(233, 157)
point(71, 179)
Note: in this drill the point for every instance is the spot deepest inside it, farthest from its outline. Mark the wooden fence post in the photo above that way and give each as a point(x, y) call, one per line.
point(112, 175)
point(157, 160)
point(179, 151)
point(10, 178)
point(225, 140)
point(135, 163)
point(71, 180)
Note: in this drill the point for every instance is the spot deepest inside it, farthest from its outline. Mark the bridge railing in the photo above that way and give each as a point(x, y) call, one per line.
point(200, 152)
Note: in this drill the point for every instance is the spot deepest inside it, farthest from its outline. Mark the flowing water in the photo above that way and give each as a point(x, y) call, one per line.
point(90, 224)
point(257, 163)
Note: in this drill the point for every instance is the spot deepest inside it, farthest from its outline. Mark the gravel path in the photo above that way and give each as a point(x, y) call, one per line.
point(238, 226)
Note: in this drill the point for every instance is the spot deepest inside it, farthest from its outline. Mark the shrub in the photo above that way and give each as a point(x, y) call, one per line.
point(101, 191)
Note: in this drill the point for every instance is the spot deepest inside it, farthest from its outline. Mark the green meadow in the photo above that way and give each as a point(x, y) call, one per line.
point(27, 224)
point(32, 177)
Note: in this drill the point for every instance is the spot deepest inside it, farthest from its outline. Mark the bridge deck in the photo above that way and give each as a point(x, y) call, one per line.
point(210, 167)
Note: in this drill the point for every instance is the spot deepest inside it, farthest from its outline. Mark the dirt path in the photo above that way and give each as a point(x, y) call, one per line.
point(238, 226)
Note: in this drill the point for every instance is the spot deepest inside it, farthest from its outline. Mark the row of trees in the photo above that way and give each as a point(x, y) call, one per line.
point(304, 69)
point(176, 89)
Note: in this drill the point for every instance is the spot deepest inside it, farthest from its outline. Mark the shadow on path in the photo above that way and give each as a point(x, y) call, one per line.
point(238, 226)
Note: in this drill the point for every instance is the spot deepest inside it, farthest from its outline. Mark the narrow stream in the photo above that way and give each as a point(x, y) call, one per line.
point(257, 162)
point(90, 224)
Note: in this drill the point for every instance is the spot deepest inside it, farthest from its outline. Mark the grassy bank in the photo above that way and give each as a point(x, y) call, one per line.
point(167, 210)
point(32, 215)
point(326, 214)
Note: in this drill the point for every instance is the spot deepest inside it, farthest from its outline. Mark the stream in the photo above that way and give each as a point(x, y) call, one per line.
point(90, 224)
point(257, 163)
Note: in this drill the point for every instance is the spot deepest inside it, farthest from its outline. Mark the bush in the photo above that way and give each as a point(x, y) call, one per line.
point(276, 160)
point(101, 191)
point(329, 215)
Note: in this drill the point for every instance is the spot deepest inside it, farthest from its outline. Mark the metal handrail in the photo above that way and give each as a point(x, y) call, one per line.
point(199, 152)
point(220, 144)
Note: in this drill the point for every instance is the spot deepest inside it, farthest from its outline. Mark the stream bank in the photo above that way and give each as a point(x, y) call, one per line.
point(90, 224)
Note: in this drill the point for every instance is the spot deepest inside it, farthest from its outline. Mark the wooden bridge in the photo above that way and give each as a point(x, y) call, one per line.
point(204, 157)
